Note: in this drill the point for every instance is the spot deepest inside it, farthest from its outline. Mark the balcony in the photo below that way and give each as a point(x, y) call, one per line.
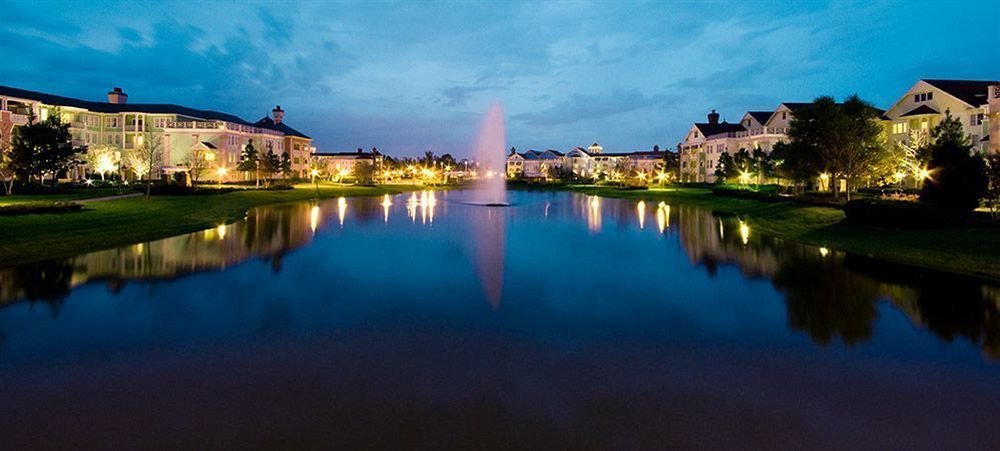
point(133, 128)
point(19, 119)
point(77, 124)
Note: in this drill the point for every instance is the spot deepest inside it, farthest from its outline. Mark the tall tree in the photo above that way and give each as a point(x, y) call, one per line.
point(41, 148)
point(249, 161)
point(795, 161)
point(993, 193)
point(958, 177)
point(286, 165)
point(269, 164)
point(6, 170)
point(725, 167)
point(102, 160)
point(197, 162)
point(149, 151)
point(846, 139)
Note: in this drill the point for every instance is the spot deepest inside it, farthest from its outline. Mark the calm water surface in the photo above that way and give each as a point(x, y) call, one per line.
point(565, 321)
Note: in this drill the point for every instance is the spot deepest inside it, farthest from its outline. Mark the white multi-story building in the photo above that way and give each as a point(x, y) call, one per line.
point(591, 162)
point(925, 104)
point(218, 137)
point(702, 146)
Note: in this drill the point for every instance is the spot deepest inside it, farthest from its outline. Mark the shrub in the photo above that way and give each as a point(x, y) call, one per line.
point(29, 208)
point(893, 213)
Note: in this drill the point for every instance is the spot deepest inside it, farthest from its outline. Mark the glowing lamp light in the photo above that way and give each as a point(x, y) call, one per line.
point(823, 252)
point(221, 172)
point(89, 182)
point(824, 176)
point(744, 177)
point(314, 172)
point(744, 232)
point(923, 174)
point(220, 231)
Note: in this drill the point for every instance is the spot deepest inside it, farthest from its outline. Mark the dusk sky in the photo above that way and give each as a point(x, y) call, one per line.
point(412, 76)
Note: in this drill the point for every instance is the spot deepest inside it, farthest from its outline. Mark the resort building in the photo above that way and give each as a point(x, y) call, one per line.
point(924, 105)
point(703, 144)
point(591, 162)
point(994, 118)
point(341, 165)
point(182, 132)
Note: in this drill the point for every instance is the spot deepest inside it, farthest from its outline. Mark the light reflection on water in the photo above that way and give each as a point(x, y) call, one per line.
point(552, 282)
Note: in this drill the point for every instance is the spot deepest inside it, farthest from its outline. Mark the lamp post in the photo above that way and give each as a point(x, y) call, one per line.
point(221, 172)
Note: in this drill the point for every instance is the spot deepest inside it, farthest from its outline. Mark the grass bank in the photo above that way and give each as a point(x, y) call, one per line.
point(118, 222)
point(972, 251)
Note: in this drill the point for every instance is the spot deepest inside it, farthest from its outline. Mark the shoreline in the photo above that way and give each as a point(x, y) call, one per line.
point(130, 220)
point(971, 252)
point(119, 222)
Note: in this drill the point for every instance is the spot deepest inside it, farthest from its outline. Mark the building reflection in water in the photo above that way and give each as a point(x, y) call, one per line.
point(828, 295)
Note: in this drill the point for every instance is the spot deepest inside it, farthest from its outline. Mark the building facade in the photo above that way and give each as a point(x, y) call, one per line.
point(926, 103)
point(590, 163)
point(182, 132)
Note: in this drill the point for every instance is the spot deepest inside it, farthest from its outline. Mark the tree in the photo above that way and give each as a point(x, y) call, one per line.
point(102, 160)
point(269, 164)
point(148, 157)
point(249, 161)
point(6, 170)
point(846, 139)
point(993, 192)
point(43, 148)
point(725, 168)
point(363, 171)
point(958, 178)
point(795, 161)
point(911, 157)
point(197, 162)
point(286, 165)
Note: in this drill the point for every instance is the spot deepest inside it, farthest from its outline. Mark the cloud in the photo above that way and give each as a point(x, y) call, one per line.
point(579, 107)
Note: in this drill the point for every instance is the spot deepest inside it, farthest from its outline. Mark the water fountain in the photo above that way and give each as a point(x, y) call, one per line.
point(489, 152)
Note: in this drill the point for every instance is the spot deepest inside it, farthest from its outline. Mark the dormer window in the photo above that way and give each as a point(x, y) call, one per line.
point(923, 97)
point(784, 115)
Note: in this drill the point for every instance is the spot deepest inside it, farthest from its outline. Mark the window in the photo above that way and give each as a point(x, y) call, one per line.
point(111, 122)
point(899, 128)
point(160, 122)
point(976, 119)
point(93, 121)
point(916, 98)
point(784, 115)
point(930, 96)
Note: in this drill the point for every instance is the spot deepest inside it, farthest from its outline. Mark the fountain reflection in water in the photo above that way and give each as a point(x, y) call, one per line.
point(490, 152)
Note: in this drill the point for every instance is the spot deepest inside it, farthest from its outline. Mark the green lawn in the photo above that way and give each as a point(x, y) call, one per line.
point(962, 250)
point(78, 194)
point(111, 223)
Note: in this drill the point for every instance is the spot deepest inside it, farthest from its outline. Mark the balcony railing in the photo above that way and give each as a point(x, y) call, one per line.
point(77, 124)
point(133, 128)
point(19, 119)
point(221, 125)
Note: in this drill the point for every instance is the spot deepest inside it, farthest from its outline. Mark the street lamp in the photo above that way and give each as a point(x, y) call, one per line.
point(221, 172)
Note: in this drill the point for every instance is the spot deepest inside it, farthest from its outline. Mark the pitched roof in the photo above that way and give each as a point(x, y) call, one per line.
point(105, 107)
point(922, 109)
point(972, 92)
point(796, 105)
point(267, 122)
point(151, 108)
point(709, 129)
point(760, 116)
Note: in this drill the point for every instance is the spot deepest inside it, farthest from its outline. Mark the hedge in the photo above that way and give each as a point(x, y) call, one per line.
point(29, 208)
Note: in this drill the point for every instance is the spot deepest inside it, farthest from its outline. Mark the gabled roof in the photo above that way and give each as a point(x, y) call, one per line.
point(760, 116)
point(105, 107)
point(796, 105)
point(709, 129)
point(267, 122)
point(922, 109)
point(972, 92)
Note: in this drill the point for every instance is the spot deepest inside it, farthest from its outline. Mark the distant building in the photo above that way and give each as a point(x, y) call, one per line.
point(344, 164)
point(923, 106)
point(182, 130)
point(592, 162)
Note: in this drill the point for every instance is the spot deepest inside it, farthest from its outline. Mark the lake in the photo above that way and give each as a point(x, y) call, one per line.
point(563, 321)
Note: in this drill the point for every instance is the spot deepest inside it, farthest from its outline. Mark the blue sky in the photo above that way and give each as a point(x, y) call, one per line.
point(412, 76)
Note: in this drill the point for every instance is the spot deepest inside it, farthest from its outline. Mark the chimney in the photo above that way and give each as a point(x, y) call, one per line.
point(278, 114)
point(116, 96)
point(713, 117)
